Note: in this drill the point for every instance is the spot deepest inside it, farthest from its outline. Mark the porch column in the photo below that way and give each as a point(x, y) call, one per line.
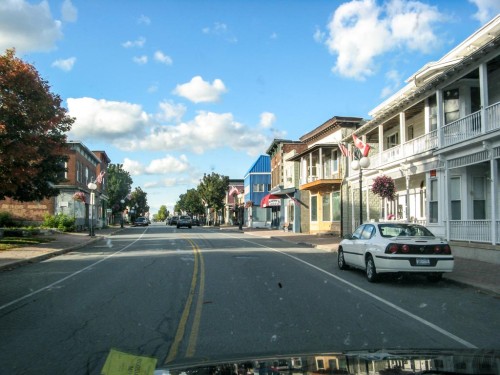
point(402, 127)
point(427, 117)
point(494, 196)
point(380, 139)
point(320, 173)
point(483, 94)
point(440, 117)
point(309, 173)
point(447, 205)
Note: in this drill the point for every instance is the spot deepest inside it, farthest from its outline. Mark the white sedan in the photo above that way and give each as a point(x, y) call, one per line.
point(395, 248)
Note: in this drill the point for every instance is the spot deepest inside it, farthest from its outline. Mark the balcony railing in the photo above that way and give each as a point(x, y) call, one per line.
point(462, 129)
point(413, 147)
point(471, 230)
point(493, 117)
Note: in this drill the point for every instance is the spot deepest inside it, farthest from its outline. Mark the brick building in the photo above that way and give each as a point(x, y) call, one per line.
point(83, 166)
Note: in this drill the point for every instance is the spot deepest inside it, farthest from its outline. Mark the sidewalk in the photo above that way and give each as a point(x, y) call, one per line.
point(484, 276)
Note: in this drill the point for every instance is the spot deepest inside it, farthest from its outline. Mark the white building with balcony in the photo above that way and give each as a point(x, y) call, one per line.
point(439, 139)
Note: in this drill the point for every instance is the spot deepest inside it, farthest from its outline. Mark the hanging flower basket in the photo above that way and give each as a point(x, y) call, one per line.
point(79, 196)
point(384, 187)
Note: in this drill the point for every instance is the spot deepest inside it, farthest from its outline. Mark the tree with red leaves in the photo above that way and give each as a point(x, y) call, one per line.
point(32, 132)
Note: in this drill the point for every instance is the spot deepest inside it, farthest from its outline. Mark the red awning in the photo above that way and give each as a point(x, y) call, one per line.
point(270, 200)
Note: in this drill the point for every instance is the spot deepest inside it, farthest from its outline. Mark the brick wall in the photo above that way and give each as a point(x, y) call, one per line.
point(28, 212)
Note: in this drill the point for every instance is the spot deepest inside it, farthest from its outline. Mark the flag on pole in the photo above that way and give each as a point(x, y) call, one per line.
point(362, 146)
point(344, 150)
point(100, 177)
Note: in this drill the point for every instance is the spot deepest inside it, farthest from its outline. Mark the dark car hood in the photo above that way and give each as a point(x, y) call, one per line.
point(384, 362)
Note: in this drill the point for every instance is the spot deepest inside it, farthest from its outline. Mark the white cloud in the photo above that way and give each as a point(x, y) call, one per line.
point(393, 79)
point(69, 11)
point(144, 20)
point(319, 36)
point(139, 42)
point(153, 87)
point(207, 131)
point(221, 30)
point(102, 119)
point(28, 27)
point(140, 60)
point(162, 58)
point(66, 64)
point(129, 128)
point(168, 164)
point(267, 120)
point(487, 9)
point(133, 167)
point(169, 111)
point(198, 90)
point(360, 31)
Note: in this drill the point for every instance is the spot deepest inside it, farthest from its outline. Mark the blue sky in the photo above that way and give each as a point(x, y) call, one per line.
point(176, 89)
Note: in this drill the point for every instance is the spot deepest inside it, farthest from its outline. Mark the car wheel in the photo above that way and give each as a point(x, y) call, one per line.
point(178, 227)
point(340, 260)
point(371, 271)
point(189, 227)
point(434, 277)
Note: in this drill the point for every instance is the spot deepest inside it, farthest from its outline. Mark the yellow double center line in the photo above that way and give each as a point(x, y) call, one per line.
point(199, 268)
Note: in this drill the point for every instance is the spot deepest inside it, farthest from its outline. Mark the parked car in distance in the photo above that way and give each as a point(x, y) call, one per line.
point(380, 248)
point(172, 220)
point(184, 221)
point(196, 221)
point(141, 222)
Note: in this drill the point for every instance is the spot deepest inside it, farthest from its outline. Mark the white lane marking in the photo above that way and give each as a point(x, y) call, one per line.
point(69, 276)
point(374, 296)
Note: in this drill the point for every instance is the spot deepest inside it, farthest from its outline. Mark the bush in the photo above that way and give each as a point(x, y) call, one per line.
point(62, 222)
point(6, 220)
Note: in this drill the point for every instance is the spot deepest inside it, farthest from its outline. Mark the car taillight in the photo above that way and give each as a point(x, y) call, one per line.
point(437, 249)
point(391, 248)
point(447, 249)
point(405, 248)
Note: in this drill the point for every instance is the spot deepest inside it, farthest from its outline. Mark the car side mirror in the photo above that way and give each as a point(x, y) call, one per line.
point(348, 237)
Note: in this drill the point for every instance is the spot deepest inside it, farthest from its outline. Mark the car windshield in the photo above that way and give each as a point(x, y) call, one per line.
point(395, 230)
point(195, 180)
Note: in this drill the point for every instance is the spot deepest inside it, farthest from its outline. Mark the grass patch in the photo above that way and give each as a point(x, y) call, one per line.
point(7, 243)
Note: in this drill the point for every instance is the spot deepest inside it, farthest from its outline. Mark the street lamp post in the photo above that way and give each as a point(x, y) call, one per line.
point(92, 186)
point(360, 164)
point(121, 212)
point(240, 212)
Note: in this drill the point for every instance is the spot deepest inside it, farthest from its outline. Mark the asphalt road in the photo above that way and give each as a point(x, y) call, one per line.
point(186, 294)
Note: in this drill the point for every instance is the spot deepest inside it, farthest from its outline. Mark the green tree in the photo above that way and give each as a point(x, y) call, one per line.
point(190, 202)
point(139, 202)
point(212, 189)
point(32, 132)
point(119, 184)
point(162, 213)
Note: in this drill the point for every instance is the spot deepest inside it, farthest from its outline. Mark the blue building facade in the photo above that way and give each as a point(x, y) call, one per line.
point(257, 183)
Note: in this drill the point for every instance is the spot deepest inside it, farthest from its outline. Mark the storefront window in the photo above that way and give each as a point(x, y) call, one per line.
point(326, 207)
point(314, 208)
point(336, 206)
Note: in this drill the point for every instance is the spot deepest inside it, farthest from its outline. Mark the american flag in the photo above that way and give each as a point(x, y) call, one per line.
point(344, 150)
point(100, 177)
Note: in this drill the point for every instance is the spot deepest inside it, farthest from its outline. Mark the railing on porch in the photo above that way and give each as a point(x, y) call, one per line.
point(413, 147)
point(493, 116)
point(465, 128)
point(471, 230)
